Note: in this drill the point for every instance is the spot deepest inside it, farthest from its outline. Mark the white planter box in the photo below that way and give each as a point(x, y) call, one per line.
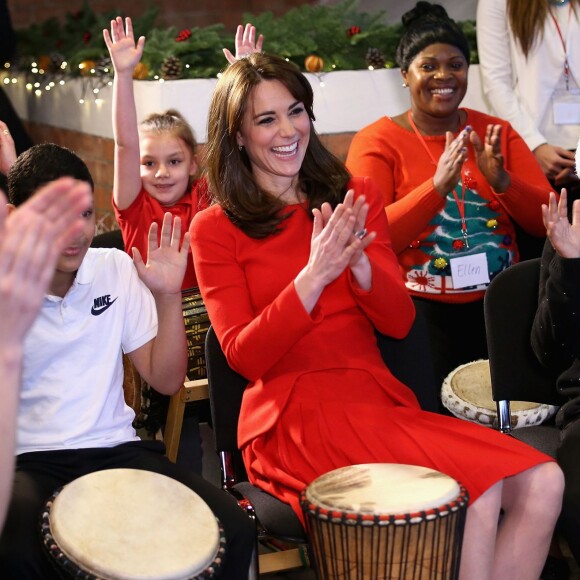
point(344, 101)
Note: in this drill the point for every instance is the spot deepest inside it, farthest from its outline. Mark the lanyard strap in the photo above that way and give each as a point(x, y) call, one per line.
point(460, 202)
point(563, 42)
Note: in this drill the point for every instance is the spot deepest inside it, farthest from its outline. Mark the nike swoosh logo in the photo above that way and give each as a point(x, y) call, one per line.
point(97, 311)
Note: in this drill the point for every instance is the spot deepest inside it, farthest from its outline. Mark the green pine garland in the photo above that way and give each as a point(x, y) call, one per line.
point(341, 35)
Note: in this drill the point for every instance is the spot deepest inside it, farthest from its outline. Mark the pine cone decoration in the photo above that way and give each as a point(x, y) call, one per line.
point(57, 60)
point(104, 67)
point(171, 68)
point(375, 58)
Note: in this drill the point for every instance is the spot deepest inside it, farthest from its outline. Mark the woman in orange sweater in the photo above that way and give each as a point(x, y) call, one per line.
point(453, 181)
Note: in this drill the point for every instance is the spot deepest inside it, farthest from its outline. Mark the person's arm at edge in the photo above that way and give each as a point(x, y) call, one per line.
point(495, 66)
point(31, 239)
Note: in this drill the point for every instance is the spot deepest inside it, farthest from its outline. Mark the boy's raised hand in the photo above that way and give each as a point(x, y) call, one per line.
point(125, 54)
point(166, 259)
point(245, 43)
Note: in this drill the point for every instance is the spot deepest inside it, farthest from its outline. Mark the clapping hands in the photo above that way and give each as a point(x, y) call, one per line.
point(490, 159)
point(450, 163)
point(339, 239)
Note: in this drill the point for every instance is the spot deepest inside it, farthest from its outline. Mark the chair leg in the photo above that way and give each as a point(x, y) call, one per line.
point(174, 424)
point(254, 571)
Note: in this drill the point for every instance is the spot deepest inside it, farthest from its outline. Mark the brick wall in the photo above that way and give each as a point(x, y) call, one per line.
point(97, 153)
point(179, 13)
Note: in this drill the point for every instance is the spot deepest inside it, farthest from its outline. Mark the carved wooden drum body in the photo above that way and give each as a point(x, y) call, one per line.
point(385, 521)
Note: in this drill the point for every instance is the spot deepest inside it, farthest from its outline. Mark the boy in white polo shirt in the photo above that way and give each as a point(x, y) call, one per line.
point(73, 418)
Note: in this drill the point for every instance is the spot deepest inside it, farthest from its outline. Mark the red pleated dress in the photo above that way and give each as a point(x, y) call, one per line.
point(319, 395)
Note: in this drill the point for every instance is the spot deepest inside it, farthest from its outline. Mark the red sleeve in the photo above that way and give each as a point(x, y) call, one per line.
point(388, 304)
point(529, 187)
point(377, 153)
point(252, 344)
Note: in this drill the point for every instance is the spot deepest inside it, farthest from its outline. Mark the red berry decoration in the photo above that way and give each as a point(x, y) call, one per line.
point(353, 30)
point(458, 244)
point(87, 37)
point(469, 181)
point(183, 35)
point(493, 205)
point(415, 244)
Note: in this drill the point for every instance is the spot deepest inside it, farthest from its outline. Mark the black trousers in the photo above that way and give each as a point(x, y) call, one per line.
point(456, 331)
point(568, 459)
point(39, 474)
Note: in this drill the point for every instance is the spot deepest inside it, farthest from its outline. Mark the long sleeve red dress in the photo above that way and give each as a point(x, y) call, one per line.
point(319, 396)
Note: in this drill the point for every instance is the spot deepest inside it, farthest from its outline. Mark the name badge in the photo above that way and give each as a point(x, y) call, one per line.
point(566, 108)
point(469, 270)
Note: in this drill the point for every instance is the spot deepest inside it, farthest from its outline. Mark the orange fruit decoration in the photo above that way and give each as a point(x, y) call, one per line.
point(86, 66)
point(141, 72)
point(313, 63)
point(45, 63)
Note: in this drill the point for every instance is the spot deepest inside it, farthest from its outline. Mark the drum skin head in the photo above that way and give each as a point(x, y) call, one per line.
point(385, 520)
point(466, 392)
point(133, 524)
point(382, 488)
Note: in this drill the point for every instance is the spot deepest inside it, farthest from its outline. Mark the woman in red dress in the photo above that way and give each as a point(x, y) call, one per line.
point(297, 271)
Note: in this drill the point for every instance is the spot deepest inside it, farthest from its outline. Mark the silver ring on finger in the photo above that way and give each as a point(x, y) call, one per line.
point(360, 234)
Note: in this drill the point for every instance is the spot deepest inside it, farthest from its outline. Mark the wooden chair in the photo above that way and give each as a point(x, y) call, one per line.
point(195, 387)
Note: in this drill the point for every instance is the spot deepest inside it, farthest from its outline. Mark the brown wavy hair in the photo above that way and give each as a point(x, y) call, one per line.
point(254, 210)
point(527, 20)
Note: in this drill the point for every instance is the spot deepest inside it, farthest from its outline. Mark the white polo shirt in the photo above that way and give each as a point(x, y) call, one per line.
point(72, 393)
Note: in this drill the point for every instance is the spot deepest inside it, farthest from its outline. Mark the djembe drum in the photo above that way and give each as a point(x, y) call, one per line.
point(385, 521)
point(466, 392)
point(129, 524)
